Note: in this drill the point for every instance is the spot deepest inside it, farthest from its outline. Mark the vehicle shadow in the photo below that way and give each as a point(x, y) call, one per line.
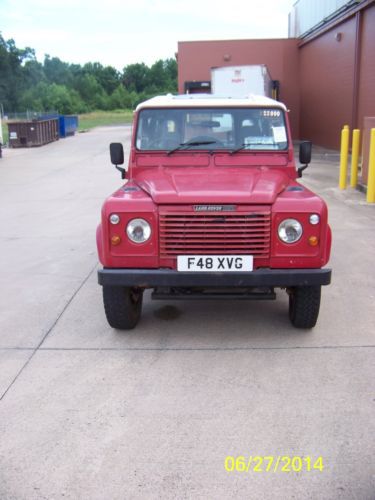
point(179, 324)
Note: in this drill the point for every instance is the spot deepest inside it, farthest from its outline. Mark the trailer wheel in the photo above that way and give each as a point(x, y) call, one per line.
point(122, 306)
point(304, 304)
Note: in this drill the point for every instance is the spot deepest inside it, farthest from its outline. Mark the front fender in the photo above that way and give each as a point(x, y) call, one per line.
point(99, 243)
point(328, 245)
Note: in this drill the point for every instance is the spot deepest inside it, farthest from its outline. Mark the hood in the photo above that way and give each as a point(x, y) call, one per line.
point(194, 185)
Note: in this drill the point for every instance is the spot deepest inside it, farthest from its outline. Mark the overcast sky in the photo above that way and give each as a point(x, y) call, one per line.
point(121, 32)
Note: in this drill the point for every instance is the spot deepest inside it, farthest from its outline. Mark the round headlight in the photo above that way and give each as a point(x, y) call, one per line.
point(314, 219)
point(138, 230)
point(290, 231)
point(114, 219)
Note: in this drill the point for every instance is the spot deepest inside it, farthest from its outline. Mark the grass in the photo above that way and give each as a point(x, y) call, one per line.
point(102, 118)
point(91, 120)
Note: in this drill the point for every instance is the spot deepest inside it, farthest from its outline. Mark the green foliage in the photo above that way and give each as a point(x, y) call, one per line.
point(27, 84)
point(12, 81)
point(52, 96)
point(159, 79)
point(107, 77)
point(90, 91)
point(123, 99)
point(135, 77)
point(57, 71)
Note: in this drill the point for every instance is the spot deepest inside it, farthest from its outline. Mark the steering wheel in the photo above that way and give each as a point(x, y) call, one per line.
point(205, 138)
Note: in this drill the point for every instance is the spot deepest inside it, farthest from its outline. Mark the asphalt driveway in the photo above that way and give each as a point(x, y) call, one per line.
point(87, 412)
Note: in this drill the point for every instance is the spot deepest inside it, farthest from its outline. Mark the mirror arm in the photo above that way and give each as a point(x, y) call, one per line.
point(301, 169)
point(122, 170)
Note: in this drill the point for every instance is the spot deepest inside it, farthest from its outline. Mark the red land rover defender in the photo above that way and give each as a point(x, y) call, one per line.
point(212, 209)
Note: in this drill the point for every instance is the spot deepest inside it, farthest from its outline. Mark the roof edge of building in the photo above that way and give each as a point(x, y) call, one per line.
point(238, 40)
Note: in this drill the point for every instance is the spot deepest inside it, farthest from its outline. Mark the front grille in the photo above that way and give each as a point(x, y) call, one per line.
point(188, 233)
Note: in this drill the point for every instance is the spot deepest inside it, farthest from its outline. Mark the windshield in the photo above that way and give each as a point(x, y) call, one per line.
point(232, 129)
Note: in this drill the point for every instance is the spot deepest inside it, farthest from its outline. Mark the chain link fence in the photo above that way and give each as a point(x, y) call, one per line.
point(30, 116)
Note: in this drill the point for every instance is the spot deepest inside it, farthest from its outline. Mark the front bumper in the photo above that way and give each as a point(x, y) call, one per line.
point(151, 278)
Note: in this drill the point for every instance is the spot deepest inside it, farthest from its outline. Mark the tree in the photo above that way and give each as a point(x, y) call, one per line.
point(90, 91)
point(33, 73)
point(107, 76)
point(157, 77)
point(170, 67)
point(122, 99)
point(27, 84)
point(12, 78)
point(135, 77)
point(57, 71)
point(52, 97)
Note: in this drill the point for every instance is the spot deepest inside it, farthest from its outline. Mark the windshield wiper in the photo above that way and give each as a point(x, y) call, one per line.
point(243, 146)
point(187, 144)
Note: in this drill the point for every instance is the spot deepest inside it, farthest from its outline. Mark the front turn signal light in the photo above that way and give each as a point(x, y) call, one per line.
point(115, 240)
point(313, 241)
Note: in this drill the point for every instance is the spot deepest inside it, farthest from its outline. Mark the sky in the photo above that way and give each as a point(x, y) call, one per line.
point(122, 32)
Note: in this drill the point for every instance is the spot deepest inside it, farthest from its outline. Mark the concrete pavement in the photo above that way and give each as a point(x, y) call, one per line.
point(89, 412)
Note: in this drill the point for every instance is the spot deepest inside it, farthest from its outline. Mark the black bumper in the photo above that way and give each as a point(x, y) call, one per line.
point(151, 278)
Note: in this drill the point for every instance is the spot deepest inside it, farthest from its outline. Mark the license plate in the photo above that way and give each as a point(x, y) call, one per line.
point(215, 263)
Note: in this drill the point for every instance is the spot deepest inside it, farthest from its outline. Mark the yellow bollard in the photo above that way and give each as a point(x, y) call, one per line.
point(344, 156)
point(371, 170)
point(355, 156)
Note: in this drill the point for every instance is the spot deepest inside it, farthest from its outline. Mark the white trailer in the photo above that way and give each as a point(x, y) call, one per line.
point(240, 81)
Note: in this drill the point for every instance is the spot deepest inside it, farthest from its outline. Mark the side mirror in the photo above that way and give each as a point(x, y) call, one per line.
point(304, 156)
point(117, 156)
point(117, 153)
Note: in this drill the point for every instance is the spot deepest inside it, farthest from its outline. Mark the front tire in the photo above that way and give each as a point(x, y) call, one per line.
point(123, 306)
point(304, 305)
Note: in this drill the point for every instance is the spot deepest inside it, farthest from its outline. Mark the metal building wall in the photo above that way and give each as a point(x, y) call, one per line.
point(307, 14)
point(326, 85)
point(337, 78)
point(366, 88)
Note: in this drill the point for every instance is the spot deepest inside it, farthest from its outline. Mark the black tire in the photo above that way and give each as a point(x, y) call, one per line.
point(304, 304)
point(123, 306)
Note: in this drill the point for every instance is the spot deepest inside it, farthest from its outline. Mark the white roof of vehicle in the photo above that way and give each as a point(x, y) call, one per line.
point(208, 101)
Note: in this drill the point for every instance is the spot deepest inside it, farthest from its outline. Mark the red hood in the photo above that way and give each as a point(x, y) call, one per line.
point(195, 185)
